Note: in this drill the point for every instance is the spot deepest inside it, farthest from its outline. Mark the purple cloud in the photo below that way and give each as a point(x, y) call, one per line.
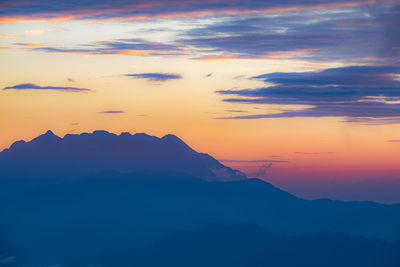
point(155, 76)
point(362, 94)
point(31, 86)
point(112, 112)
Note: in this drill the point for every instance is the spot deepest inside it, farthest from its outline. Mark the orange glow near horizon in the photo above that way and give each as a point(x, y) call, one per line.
point(73, 50)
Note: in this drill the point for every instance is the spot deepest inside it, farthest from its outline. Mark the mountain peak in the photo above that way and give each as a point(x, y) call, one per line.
point(47, 136)
point(102, 133)
point(171, 137)
point(87, 153)
point(49, 133)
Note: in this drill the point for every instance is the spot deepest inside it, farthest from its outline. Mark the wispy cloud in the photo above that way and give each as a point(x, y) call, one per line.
point(359, 93)
point(42, 31)
point(129, 47)
point(155, 76)
point(31, 86)
point(394, 141)
point(112, 112)
point(34, 45)
point(9, 36)
point(106, 10)
point(235, 110)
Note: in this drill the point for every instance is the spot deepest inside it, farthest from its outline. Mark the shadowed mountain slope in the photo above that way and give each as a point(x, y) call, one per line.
point(51, 157)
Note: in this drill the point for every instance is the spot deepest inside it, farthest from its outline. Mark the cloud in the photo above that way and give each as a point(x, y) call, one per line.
point(390, 19)
point(155, 76)
point(394, 141)
point(31, 86)
point(342, 34)
point(235, 110)
point(262, 171)
point(359, 93)
point(209, 75)
point(107, 10)
point(42, 31)
point(9, 36)
point(112, 111)
point(307, 35)
point(3, 47)
point(130, 47)
point(37, 31)
point(34, 45)
point(311, 30)
point(71, 80)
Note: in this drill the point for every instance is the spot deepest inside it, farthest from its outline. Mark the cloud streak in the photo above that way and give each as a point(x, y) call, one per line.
point(359, 93)
point(9, 36)
point(107, 10)
point(155, 76)
point(112, 112)
point(31, 86)
point(128, 46)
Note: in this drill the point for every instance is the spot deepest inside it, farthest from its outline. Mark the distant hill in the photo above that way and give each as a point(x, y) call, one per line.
point(247, 244)
point(116, 212)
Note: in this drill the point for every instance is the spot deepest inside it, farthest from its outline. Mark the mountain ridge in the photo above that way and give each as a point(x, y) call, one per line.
point(87, 153)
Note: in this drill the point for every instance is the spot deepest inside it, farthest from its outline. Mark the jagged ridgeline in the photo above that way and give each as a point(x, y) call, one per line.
point(78, 155)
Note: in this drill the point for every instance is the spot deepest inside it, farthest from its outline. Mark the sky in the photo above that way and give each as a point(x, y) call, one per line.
point(289, 91)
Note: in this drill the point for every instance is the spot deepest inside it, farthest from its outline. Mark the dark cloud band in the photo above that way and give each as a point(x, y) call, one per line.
point(155, 76)
point(360, 93)
point(31, 86)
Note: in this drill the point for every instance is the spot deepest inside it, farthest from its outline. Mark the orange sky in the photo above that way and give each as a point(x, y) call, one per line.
point(187, 107)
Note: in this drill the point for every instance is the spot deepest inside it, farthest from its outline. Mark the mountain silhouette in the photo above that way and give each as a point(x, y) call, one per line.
point(78, 155)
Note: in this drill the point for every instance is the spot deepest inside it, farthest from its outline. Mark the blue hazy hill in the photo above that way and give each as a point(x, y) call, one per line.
point(247, 244)
point(117, 212)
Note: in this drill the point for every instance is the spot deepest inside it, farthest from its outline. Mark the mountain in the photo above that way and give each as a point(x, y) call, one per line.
point(118, 212)
point(50, 159)
point(88, 153)
point(247, 244)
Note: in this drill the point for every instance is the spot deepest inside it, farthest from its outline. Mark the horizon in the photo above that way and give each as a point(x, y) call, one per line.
point(381, 190)
point(297, 92)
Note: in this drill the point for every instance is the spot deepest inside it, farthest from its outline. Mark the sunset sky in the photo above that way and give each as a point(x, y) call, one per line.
point(281, 90)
